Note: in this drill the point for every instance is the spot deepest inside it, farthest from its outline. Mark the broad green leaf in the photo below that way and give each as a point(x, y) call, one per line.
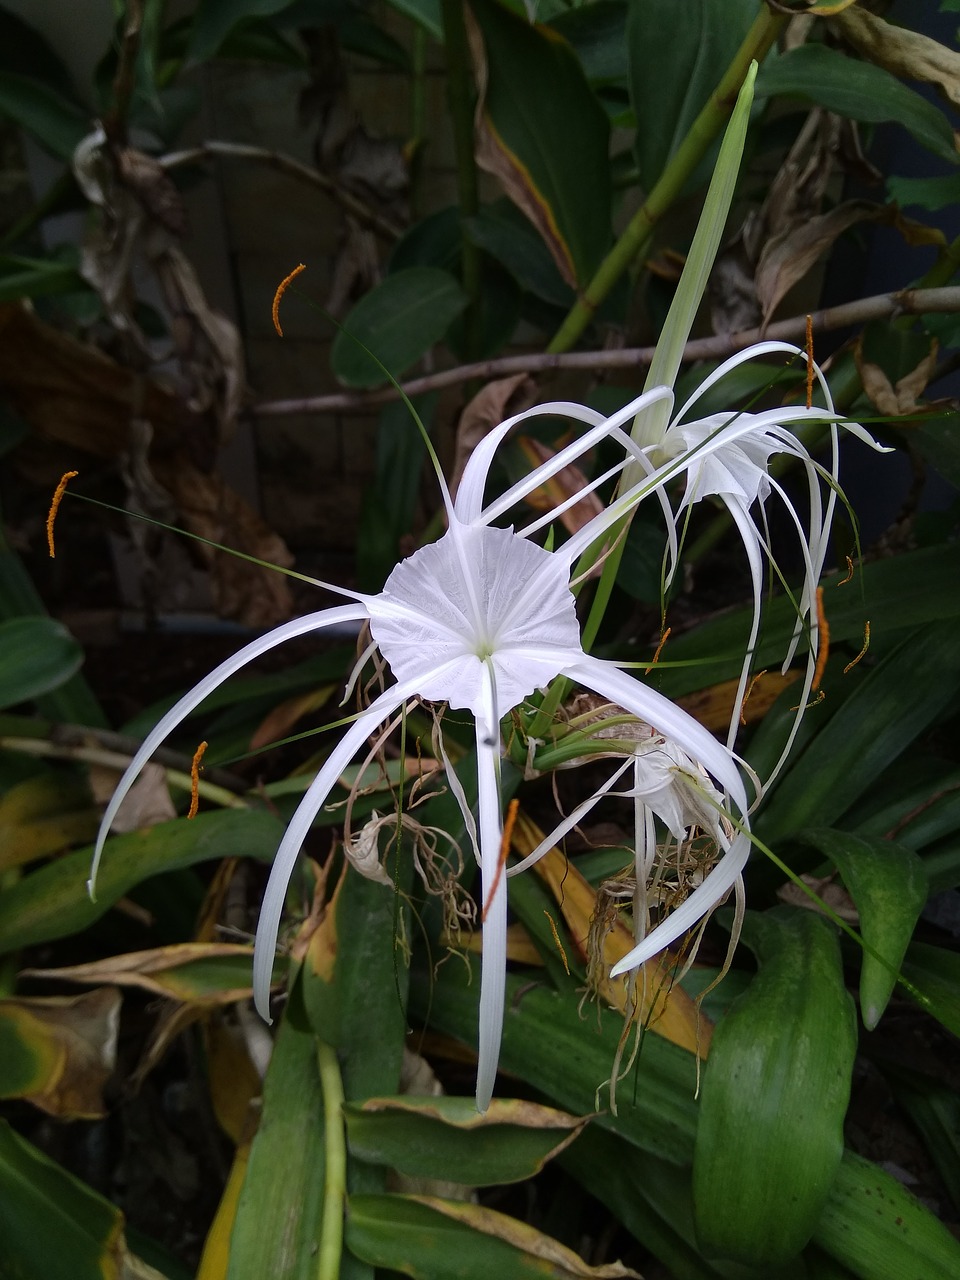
point(36, 656)
point(509, 237)
point(546, 138)
point(598, 34)
point(45, 814)
point(53, 1225)
point(936, 973)
point(675, 64)
point(276, 1230)
point(53, 902)
point(214, 19)
point(433, 1239)
point(398, 321)
point(424, 12)
point(859, 90)
point(58, 1052)
point(653, 1200)
point(774, 1095)
point(49, 118)
point(446, 1138)
point(889, 707)
point(73, 702)
point(928, 193)
point(889, 889)
point(389, 504)
point(567, 1055)
point(874, 1226)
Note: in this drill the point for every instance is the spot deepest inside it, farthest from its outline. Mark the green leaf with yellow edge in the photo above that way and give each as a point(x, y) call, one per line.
point(53, 902)
point(873, 1225)
point(888, 885)
point(193, 972)
point(433, 1239)
point(53, 1225)
point(774, 1096)
point(446, 1138)
point(42, 815)
point(544, 135)
point(59, 1052)
point(36, 655)
point(276, 1228)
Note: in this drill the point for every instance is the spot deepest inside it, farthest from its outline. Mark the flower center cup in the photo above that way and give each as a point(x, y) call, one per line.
point(488, 597)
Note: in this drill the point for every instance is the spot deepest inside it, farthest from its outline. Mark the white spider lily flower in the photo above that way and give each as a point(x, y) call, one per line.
point(727, 456)
point(479, 619)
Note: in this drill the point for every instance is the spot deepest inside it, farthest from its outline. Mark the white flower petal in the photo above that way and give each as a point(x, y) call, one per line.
point(180, 710)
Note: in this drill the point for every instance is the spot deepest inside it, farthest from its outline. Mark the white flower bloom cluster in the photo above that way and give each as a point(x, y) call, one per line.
point(485, 616)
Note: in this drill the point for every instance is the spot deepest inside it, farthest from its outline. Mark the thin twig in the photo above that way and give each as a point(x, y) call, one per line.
point(296, 169)
point(718, 347)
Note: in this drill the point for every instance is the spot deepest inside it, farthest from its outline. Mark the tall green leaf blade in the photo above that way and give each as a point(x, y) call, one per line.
point(859, 90)
point(53, 902)
point(890, 707)
point(398, 321)
point(889, 888)
point(276, 1230)
point(775, 1092)
point(547, 137)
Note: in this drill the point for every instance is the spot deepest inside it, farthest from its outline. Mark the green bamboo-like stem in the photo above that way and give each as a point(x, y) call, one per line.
point(945, 267)
point(460, 100)
point(634, 239)
point(330, 1250)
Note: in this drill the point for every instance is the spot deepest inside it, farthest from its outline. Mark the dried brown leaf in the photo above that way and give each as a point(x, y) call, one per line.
point(488, 408)
point(560, 487)
point(905, 53)
point(73, 1044)
point(896, 400)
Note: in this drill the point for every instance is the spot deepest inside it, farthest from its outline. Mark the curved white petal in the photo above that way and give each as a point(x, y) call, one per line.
point(493, 896)
point(468, 502)
point(682, 729)
point(268, 925)
point(180, 710)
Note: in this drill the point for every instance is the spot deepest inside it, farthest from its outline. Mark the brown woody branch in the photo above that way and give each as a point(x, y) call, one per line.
point(287, 164)
point(880, 306)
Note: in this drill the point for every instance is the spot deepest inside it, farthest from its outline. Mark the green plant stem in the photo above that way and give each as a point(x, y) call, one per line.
point(945, 267)
point(636, 236)
point(330, 1250)
point(460, 100)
